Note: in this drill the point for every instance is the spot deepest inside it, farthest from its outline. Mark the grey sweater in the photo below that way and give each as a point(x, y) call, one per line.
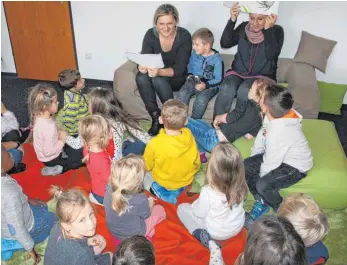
point(66, 251)
point(17, 218)
point(132, 222)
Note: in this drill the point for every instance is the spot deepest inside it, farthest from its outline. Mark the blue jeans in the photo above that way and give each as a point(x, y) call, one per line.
point(205, 135)
point(17, 156)
point(137, 148)
point(201, 98)
point(43, 223)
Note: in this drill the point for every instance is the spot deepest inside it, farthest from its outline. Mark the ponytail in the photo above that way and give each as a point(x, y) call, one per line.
point(119, 202)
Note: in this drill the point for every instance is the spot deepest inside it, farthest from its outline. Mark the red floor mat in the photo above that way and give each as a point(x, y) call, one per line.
point(173, 243)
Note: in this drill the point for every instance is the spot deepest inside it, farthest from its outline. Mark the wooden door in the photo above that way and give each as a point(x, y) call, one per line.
point(41, 38)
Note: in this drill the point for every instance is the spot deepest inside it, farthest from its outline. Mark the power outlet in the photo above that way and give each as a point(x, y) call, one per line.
point(88, 56)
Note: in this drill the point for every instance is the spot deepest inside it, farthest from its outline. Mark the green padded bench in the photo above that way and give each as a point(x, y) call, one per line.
point(326, 182)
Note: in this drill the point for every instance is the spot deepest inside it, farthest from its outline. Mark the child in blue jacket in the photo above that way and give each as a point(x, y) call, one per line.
point(205, 70)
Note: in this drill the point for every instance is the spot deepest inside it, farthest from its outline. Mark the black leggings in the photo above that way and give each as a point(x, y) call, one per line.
point(16, 136)
point(163, 86)
point(267, 187)
point(72, 161)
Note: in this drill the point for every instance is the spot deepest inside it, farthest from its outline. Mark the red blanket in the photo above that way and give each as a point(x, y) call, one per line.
point(173, 243)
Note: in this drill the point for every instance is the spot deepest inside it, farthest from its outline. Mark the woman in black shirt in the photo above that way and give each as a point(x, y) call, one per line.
point(175, 45)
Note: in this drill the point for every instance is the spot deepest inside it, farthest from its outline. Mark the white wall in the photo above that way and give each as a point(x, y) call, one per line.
point(107, 29)
point(7, 64)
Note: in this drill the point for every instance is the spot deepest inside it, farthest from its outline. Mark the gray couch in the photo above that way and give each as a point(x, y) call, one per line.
point(300, 77)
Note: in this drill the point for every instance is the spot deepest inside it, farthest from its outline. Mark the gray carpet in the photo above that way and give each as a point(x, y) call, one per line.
point(14, 94)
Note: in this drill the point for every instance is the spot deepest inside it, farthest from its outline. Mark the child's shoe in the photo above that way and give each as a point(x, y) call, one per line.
point(259, 208)
point(93, 200)
point(203, 158)
point(52, 171)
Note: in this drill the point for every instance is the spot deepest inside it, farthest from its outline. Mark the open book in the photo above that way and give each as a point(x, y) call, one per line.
point(148, 60)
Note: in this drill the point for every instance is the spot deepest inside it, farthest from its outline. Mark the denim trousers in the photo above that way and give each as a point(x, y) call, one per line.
point(201, 98)
point(205, 135)
point(136, 148)
point(268, 186)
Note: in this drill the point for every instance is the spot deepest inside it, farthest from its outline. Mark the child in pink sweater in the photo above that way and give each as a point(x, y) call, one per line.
point(49, 143)
point(96, 134)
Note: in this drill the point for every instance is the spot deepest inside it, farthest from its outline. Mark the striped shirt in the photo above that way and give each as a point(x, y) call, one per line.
point(75, 108)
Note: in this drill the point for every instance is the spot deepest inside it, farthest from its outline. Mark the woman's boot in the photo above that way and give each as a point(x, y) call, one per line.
point(156, 126)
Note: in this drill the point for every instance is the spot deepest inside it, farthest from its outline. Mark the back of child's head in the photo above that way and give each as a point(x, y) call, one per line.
point(205, 35)
point(261, 85)
point(40, 98)
point(69, 203)
point(6, 161)
point(126, 180)
point(278, 100)
point(68, 78)
point(94, 130)
point(307, 218)
point(174, 114)
point(135, 250)
point(273, 240)
point(103, 100)
point(226, 172)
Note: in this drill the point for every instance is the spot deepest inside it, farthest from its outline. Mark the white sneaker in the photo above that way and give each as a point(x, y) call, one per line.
point(52, 171)
point(93, 200)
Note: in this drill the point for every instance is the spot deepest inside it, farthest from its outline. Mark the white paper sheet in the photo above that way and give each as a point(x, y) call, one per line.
point(149, 60)
point(257, 7)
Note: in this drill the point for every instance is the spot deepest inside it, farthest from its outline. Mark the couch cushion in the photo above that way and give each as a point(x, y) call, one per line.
point(331, 97)
point(314, 50)
point(326, 182)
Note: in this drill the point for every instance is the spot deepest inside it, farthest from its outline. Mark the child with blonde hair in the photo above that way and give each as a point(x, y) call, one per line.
point(75, 103)
point(72, 239)
point(49, 143)
point(104, 101)
point(128, 210)
point(96, 133)
point(218, 212)
point(172, 157)
point(309, 221)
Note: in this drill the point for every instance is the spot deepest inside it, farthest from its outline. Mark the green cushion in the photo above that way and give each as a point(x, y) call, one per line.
point(326, 182)
point(331, 97)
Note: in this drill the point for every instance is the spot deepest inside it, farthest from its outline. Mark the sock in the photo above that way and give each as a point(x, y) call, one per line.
point(203, 236)
point(216, 257)
point(52, 171)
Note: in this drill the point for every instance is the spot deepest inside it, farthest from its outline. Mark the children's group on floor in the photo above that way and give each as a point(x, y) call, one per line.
point(124, 161)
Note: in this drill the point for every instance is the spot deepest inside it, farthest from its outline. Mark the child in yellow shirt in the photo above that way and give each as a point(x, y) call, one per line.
point(172, 157)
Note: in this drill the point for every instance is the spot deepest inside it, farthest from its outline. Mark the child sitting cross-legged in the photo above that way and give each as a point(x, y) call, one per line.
point(218, 212)
point(243, 120)
point(172, 157)
point(72, 240)
point(49, 143)
point(128, 210)
point(134, 250)
point(309, 221)
point(24, 222)
point(75, 103)
point(96, 133)
point(205, 70)
point(280, 156)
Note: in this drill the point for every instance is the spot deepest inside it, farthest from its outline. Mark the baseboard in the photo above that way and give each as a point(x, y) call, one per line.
point(8, 74)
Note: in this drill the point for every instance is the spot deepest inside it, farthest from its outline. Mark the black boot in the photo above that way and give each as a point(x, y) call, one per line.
point(156, 126)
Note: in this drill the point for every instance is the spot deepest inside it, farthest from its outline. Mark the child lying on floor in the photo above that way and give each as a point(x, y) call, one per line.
point(172, 157)
point(24, 222)
point(309, 221)
point(244, 120)
point(218, 213)
point(72, 240)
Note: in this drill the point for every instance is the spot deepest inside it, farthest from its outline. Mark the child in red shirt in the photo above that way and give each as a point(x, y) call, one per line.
point(96, 133)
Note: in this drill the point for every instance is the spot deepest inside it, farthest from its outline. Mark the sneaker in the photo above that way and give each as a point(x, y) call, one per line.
point(259, 208)
point(203, 158)
point(52, 171)
point(93, 200)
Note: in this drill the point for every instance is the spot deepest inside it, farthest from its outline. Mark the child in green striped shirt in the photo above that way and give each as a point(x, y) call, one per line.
point(75, 103)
